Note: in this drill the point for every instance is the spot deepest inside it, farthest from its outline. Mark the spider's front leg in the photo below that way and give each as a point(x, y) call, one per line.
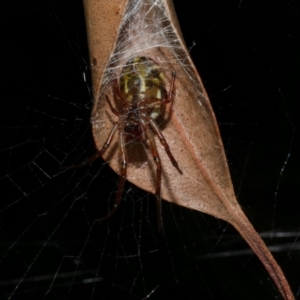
point(163, 141)
point(156, 157)
point(107, 143)
point(123, 171)
point(98, 154)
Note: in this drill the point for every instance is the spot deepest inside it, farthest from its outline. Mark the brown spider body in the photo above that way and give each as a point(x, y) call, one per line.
point(142, 96)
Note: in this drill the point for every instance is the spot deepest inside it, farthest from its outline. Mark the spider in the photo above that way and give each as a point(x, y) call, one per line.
point(143, 96)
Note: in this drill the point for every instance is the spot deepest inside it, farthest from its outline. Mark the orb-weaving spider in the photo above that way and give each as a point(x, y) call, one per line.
point(143, 96)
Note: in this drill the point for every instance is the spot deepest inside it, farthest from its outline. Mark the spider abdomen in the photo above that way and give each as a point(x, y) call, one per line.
point(142, 85)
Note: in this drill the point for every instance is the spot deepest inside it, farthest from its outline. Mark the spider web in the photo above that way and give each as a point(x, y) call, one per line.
point(51, 246)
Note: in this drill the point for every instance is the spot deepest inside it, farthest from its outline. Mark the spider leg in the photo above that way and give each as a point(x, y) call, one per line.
point(164, 143)
point(112, 108)
point(97, 154)
point(123, 172)
point(104, 147)
point(153, 104)
point(117, 91)
point(157, 161)
point(170, 94)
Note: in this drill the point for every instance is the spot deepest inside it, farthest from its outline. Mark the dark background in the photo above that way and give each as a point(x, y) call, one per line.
point(248, 57)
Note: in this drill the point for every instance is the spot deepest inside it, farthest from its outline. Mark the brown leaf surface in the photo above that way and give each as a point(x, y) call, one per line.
point(190, 127)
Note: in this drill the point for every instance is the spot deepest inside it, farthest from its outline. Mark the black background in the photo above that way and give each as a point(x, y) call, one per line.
point(247, 54)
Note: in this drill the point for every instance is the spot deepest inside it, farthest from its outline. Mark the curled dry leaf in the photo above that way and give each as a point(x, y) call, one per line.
point(119, 30)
